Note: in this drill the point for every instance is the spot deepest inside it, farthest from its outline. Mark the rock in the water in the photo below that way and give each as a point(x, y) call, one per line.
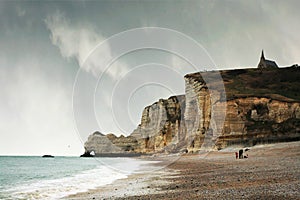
point(87, 154)
point(48, 156)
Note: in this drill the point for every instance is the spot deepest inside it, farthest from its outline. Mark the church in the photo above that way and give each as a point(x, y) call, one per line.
point(266, 64)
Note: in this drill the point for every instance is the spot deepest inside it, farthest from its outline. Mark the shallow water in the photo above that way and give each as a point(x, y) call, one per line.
point(23, 177)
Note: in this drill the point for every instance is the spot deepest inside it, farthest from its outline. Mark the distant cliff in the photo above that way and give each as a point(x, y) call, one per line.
point(257, 106)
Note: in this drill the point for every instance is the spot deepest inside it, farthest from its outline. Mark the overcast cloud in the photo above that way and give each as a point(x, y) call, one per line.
point(44, 44)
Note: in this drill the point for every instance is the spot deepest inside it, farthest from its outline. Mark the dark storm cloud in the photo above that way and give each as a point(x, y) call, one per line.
point(43, 44)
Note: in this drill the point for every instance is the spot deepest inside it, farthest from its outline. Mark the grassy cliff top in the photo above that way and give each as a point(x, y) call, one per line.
point(282, 83)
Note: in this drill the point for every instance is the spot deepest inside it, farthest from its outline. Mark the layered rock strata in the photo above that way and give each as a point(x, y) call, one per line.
point(161, 125)
point(246, 107)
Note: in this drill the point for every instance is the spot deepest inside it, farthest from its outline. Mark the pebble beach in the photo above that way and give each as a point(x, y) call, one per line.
point(271, 171)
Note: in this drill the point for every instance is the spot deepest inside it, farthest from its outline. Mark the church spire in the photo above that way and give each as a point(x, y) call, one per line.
point(262, 55)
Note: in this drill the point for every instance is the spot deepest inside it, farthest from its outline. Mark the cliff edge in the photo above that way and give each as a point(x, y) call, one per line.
point(257, 106)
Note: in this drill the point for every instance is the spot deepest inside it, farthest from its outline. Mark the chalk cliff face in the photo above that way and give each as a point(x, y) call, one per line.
point(99, 144)
point(205, 110)
point(110, 144)
point(257, 108)
point(246, 107)
point(255, 120)
point(161, 125)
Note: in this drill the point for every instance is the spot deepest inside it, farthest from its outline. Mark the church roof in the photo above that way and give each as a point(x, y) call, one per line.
point(271, 63)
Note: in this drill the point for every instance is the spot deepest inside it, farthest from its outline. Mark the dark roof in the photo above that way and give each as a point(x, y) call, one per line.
point(271, 63)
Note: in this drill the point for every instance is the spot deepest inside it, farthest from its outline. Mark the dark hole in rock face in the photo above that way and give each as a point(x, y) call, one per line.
point(203, 130)
point(128, 148)
point(193, 144)
point(147, 142)
point(261, 109)
point(248, 115)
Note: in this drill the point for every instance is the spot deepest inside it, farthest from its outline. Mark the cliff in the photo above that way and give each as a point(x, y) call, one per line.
point(253, 120)
point(245, 106)
point(260, 106)
point(161, 126)
point(110, 145)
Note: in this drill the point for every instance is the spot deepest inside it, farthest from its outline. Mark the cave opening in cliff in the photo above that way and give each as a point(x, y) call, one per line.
point(147, 142)
point(193, 143)
point(165, 139)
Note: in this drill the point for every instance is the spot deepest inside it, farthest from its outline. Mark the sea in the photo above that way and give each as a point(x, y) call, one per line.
point(34, 177)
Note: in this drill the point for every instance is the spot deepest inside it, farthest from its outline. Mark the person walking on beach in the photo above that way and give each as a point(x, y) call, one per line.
point(236, 155)
point(241, 151)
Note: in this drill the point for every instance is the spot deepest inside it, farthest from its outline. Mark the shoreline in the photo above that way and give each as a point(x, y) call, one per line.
point(135, 184)
point(271, 172)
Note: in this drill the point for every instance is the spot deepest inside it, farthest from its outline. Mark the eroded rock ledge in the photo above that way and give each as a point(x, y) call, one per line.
point(257, 106)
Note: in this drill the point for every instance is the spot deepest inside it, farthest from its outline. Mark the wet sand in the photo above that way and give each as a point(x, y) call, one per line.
point(271, 172)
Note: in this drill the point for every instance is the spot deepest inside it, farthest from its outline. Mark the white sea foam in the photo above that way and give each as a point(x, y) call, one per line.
point(129, 165)
point(58, 188)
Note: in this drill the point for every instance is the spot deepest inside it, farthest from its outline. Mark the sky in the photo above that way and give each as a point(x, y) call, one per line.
point(53, 58)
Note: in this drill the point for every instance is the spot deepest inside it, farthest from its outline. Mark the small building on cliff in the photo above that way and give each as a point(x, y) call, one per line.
point(266, 64)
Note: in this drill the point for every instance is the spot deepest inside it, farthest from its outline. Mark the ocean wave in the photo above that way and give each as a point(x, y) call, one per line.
point(59, 188)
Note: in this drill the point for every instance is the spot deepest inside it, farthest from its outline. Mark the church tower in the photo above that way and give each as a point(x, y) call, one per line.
point(266, 64)
point(262, 57)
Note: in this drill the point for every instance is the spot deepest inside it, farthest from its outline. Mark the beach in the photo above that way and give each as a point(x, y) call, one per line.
point(272, 171)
